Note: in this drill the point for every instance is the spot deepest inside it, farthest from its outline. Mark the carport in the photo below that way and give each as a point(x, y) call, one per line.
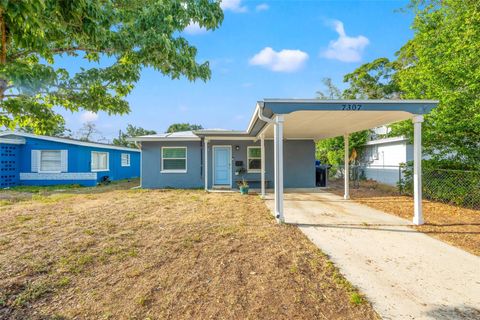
point(320, 119)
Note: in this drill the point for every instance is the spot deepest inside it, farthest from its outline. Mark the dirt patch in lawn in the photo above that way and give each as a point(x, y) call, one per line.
point(154, 254)
point(458, 226)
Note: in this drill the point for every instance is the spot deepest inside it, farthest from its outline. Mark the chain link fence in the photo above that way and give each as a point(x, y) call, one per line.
point(457, 187)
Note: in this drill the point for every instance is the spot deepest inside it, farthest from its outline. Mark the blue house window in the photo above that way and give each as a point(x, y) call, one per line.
point(50, 161)
point(174, 159)
point(125, 159)
point(100, 161)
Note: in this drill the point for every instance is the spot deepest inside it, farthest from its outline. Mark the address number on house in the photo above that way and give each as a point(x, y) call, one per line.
point(351, 107)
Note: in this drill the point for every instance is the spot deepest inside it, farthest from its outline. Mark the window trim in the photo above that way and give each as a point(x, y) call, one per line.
point(248, 159)
point(162, 170)
point(121, 159)
point(91, 161)
point(40, 162)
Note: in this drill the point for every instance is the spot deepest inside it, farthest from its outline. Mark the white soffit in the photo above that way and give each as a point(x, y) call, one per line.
point(327, 124)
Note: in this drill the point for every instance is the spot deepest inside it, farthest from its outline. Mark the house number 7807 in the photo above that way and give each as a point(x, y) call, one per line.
point(351, 107)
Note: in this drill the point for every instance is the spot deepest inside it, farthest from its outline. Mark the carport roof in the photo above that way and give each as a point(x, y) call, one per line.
point(311, 119)
point(320, 119)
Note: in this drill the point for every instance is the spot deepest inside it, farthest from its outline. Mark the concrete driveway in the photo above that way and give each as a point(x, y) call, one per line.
point(404, 273)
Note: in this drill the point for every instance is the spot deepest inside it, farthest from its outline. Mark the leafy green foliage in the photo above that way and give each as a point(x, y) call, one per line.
point(131, 132)
point(57, 130)
point(332, 151)
point(176, 127)
point(127, 35)
point(441, 62)
point(373, 80)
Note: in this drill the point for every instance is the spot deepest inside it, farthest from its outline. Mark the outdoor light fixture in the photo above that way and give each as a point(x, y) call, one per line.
point(237, 148)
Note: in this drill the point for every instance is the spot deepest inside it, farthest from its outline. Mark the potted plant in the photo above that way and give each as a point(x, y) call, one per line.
point(243, 186)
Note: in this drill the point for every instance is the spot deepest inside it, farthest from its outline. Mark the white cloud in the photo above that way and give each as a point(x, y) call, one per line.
point(233, 5)
point(281, 61)
point(262, 7)
point(194, 28)
point(88, 116)
point(345, 48)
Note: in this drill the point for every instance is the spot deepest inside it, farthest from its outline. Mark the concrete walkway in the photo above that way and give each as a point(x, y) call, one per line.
point(404, 273)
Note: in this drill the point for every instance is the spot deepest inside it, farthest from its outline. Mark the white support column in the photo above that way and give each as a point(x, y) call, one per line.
point(205, 170)
point(346, 194)
point(417, 170)
point(262, 165)
point(278, 150)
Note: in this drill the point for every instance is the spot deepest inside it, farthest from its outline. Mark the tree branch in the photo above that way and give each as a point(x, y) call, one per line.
point(61, 50)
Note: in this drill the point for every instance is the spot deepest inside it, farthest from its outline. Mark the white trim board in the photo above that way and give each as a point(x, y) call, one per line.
point(58, 176)
point(67, 141)
point(12, 141)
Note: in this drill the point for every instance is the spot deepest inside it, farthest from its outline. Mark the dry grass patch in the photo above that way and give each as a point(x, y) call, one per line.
point(457, 226)
point(137, 254)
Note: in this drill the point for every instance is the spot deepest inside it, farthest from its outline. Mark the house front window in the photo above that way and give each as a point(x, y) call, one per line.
point(50, 161)
point(125, 159)
point(254, 159)
point(174, 159)
point(100, 161)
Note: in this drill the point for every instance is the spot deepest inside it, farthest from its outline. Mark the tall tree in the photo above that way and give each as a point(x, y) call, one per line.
point(124, 35)
point(176, 127)
point(442, 62)
point(131, 132)
point(373, 80)
point(89, 132)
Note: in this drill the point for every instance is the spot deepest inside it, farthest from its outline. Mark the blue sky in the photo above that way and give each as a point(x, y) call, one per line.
point(264, 49)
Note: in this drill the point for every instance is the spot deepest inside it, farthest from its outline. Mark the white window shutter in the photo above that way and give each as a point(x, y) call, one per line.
point(64, 157)
point(35, 160)
point(94, 161)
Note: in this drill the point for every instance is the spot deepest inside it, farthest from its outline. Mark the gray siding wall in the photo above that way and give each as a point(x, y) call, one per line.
point(151, 166)
point(299, 164)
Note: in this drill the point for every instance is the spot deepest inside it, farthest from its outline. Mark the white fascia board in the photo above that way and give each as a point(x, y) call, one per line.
point(12, 141)
point(252, 119)
point(68, 141)
point(374, 101)
point(162, 139)
point(215, 138)
point(386, 140)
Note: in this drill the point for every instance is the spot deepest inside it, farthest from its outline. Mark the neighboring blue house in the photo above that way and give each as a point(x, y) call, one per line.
point(28, 159)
